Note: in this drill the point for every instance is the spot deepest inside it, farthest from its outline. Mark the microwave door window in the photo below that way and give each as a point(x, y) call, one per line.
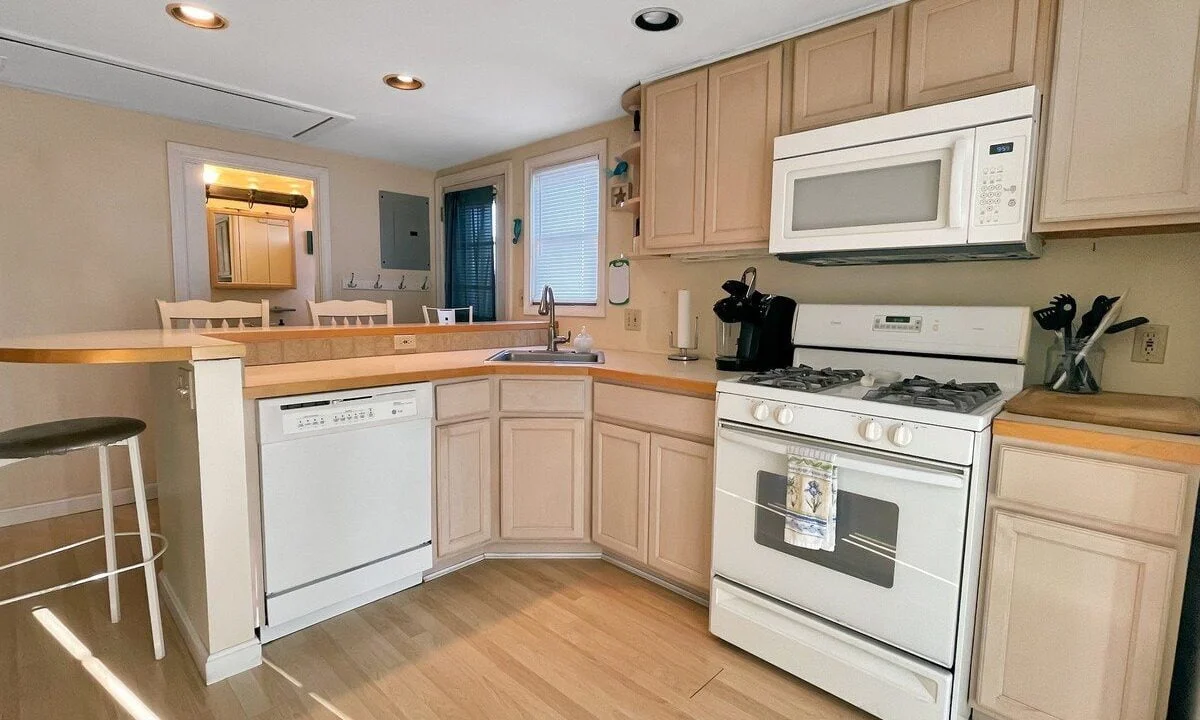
point(874, 197)
point(867, 528)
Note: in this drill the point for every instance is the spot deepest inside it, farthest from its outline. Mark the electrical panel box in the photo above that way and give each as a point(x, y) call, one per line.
point(403, 231)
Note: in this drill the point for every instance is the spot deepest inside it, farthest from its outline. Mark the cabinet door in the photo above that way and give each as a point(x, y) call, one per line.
point(674, 139)
point(464, 485)
point(744, 96)
point(280, 255)
point(842, 73)
point(620, 488)
point(963, 48)
point(254, 246)
point(1124, 127)
point(543, 479)
point(1074, 623)
point(681, 488)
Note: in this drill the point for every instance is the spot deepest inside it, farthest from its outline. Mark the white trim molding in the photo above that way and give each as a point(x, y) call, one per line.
point(597, 149)
point(68, 506)
point(185, 169)
point(214, 667)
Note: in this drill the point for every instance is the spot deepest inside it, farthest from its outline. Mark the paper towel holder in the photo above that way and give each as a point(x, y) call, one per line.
point(685, 354)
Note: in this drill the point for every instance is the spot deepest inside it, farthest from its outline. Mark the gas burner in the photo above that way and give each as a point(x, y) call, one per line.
point(803, 378)
point(923, 392)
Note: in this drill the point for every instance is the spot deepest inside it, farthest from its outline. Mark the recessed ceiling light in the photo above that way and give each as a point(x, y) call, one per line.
point(404, 82)
point(197, 16)
point(657, 19)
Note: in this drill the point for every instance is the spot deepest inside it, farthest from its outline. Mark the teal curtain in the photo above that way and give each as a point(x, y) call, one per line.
point(471, 251)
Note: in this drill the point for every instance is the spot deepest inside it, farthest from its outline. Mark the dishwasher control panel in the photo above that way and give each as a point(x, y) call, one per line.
point(327, 415)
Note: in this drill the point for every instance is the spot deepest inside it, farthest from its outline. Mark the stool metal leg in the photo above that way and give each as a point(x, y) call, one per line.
point(110, 540)
point(143, 516)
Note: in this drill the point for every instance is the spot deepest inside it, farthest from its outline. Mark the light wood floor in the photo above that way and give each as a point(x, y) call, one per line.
point(500, 639)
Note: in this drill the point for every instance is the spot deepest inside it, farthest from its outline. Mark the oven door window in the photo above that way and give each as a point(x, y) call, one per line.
point(866, 532)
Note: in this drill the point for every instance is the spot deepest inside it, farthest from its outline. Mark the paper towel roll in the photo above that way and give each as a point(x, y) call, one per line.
point(683, 320)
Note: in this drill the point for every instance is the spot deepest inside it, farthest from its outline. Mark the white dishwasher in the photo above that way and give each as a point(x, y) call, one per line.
point(346, 506)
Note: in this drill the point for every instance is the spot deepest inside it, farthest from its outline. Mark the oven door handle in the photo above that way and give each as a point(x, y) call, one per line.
point(899, 470)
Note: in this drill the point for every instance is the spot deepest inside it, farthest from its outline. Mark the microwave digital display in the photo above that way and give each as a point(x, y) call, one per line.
point(1000, 148)
point(897, 319)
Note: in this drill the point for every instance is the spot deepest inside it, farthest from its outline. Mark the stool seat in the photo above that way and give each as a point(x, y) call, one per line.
point(63, 436)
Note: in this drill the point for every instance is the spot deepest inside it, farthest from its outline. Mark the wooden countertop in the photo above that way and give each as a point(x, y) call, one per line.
point(631, 368)
point(300, 332)
point(119, 346)
point(1138, 443)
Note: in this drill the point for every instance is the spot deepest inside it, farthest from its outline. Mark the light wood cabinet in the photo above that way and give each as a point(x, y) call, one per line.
point(680, 513)
point(543, 478)
point(463, 485)
point(620, 489)
point(1075, 623)
point(841, 73)
point(1123, 128)
point(963, 48)
point(674, 143)
point(743, 121)
point(250, 250)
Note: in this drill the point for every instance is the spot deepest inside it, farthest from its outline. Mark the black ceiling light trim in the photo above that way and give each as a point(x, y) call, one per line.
point(657, 19)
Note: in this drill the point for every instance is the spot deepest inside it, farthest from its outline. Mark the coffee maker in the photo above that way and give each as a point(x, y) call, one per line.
point(754, 331)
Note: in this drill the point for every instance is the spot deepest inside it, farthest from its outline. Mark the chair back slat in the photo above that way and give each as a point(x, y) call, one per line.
point(350, 312)
point(201, 314)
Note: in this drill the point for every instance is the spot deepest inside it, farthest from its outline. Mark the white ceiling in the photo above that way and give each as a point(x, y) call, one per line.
point(499, 73)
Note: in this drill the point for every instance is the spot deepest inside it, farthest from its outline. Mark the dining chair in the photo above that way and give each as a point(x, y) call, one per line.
point(446, 316)
point(194, 312)
point(350, 312)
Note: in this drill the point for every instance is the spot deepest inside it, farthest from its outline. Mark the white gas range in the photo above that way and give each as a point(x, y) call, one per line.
point(902, 398)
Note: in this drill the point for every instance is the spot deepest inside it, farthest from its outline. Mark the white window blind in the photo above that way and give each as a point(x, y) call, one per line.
point(564, 231)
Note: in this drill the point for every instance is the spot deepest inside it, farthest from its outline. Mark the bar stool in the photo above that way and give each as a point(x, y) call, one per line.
point(64, 436)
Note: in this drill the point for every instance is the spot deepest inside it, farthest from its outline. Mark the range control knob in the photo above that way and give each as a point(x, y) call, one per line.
point(760, 411)
point(901, 435)
point(784, 415)
point(871, 430)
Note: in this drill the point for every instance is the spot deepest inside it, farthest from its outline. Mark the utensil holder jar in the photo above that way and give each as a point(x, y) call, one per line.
point(1083, 374)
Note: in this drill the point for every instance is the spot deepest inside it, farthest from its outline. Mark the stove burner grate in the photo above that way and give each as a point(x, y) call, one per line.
point(803, 378)
point(921, 391)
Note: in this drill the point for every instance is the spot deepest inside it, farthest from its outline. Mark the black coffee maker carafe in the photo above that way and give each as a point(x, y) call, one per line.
point(754, 331)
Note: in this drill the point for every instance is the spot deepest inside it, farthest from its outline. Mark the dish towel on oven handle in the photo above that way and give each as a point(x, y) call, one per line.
point(811, 520)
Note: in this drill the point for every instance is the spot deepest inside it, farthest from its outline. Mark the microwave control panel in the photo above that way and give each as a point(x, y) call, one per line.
point(1002, 174)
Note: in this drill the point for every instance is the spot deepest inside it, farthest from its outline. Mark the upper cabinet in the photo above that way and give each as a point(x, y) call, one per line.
point(743, 121)
point(963, 48)
point(707, 151)
point(250, 250)
point(1123, 125)
point(841, 73)
point(674, 142)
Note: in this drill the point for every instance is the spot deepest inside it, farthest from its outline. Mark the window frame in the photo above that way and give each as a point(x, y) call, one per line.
point(595, 149)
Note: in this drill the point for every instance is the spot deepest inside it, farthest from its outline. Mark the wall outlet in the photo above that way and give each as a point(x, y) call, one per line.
point(404, 342)
point(1150, 344)
point(633, 320)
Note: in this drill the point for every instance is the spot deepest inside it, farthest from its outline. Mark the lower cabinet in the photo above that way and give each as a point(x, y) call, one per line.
point(543, 478)
point(464, 485)
point(1075, 623)
point(652, 500)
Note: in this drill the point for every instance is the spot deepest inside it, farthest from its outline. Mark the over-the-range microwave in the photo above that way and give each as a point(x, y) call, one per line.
point(939, 183)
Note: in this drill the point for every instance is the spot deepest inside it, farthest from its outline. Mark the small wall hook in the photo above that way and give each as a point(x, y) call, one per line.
point(378, 282)
point(402, 280)
point(425, 283)
point(352, 283)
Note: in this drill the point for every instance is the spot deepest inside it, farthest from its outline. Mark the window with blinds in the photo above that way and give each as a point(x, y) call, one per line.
point(564, 231)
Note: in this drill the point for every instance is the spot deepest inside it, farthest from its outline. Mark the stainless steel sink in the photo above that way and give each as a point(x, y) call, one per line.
point(545, 356)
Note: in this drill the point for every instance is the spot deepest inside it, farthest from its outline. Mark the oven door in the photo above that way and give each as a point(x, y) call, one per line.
point(896, 569)
point(914, 192)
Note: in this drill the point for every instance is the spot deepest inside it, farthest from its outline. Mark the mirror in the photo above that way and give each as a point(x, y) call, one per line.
point(251, 250)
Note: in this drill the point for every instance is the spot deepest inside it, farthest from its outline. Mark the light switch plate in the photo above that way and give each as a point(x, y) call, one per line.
point(1150, 344)
point(633, 319)
point(404, 342)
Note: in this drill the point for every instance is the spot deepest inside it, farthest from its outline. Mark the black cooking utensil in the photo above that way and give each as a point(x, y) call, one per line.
point(1091, 319)
point(1065, 306)
point(1047, 318)
point(1125, 325)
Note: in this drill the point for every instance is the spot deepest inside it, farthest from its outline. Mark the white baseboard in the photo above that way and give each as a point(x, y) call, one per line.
point(677, 589)
point(218, 666)
point(68, 506)
point(513, 555)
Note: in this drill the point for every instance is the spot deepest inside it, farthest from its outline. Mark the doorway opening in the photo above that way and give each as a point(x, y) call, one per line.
point(249, 228)
point(472, 248)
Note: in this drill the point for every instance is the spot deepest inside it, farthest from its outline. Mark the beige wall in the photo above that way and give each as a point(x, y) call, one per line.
point(1163, 272)
point(85, 245)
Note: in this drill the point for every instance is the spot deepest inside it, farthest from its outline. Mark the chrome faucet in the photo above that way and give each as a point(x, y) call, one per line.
point(546, 307)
